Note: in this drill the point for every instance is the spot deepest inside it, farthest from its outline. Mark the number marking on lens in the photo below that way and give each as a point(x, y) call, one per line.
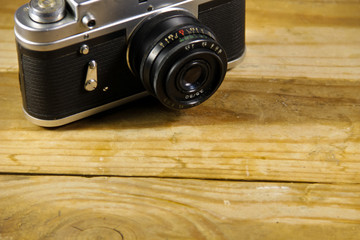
point(171, 37)
point(193, 95)
point(186, 34)
point(189, 47)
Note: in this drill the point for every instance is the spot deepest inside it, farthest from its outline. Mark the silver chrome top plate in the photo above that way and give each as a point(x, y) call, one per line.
point(110, 15)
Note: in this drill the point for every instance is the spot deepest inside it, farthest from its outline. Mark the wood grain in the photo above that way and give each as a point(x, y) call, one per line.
point(250, 130)
point(125, 208)
point(289, 113)
point(304, 41)
point(8, 58)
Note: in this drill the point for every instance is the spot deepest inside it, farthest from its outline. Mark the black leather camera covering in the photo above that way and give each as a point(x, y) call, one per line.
point(52, 83)
point(226, 18)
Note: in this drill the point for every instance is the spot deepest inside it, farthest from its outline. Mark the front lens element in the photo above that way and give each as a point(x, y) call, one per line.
point(193, 76)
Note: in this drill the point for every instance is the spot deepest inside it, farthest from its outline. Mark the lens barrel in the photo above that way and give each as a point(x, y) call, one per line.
point(177, 59)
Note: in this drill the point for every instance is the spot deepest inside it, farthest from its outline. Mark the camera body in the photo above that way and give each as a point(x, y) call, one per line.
point(80, 57)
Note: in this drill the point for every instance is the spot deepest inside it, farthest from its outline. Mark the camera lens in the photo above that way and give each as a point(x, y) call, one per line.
point(177, 59)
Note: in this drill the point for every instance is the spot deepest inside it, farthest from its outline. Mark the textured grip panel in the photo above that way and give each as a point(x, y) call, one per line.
point(53, 82)
point(227, 19)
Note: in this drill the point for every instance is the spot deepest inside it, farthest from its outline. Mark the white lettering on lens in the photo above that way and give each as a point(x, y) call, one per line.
point(189, 47)
point(193, 95)
point(171, 37)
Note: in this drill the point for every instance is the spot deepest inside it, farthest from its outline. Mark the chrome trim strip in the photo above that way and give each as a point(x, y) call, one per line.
point(84, 114)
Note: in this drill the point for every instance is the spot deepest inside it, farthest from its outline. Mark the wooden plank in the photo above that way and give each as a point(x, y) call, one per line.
point(249, 130)
point(8, 58)
point(289, 112)
point(302, 41)
point(123, 208)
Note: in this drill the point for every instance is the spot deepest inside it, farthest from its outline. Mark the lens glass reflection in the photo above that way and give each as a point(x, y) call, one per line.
point(193, 76)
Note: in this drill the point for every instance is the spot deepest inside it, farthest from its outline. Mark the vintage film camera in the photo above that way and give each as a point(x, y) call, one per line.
point(81, 57)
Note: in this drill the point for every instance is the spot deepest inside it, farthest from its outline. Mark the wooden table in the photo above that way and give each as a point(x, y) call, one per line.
point(275, 154)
